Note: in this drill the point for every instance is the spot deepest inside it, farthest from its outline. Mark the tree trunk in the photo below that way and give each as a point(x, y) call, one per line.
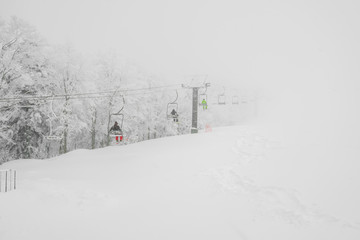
point(93, 130)
point(65, 139)
point(66, 125)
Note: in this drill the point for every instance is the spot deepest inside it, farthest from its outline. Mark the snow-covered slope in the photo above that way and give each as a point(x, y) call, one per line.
point(232, 183)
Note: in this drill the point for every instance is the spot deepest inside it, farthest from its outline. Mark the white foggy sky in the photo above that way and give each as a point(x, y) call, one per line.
point(230, 39)
point(291, 47)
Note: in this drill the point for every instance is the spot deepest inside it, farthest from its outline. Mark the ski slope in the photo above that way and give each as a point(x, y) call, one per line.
point(233, 183)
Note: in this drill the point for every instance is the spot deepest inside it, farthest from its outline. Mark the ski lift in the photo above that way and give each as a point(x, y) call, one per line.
point(235, 100)
point(172, 109)
point(52, 136)
point(203, 96)
point(222, 98)
point(243, 99)
point(115, 133)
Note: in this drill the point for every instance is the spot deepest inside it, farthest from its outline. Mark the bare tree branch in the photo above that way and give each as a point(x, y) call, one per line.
point(8, 44)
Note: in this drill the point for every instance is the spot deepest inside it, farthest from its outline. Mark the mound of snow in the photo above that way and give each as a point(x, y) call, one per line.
point(232, 183)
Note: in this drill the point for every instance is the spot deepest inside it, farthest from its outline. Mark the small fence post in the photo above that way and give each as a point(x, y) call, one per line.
point(14, 179)
point(8, 180)
point(11, 179)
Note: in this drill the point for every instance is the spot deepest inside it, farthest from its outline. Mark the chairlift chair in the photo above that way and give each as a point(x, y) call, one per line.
point(116, 135)
point(221, 99)
point(52, 136)
point(235, 100)
point(171, 108)
point(201, 98)
point(244, 99)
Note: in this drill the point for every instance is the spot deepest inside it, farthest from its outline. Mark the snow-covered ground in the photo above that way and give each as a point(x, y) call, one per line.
point(233, 183)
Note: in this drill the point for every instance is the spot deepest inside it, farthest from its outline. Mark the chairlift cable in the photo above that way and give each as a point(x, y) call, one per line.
point(83, 95)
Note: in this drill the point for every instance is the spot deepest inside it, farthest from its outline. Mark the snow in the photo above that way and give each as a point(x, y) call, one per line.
point(240, 182)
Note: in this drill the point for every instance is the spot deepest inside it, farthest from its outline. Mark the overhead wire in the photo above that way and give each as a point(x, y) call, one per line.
point(100, 94)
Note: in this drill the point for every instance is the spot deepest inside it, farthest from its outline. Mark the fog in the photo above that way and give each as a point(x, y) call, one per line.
point(301, 57)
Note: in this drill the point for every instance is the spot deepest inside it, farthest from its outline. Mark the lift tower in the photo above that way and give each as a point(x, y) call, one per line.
point(195, 97)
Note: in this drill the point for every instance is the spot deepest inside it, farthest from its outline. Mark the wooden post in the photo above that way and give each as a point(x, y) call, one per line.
point(11, 179)
point(6, 181)
point(14, 179)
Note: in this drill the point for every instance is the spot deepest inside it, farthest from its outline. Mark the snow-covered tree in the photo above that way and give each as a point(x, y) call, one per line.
point(23, 75)
point(68, 79)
